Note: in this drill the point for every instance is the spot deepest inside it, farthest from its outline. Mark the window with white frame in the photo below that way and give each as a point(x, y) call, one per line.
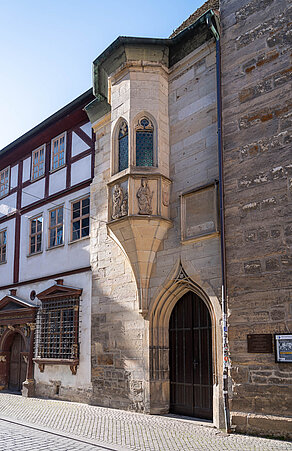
point(58, 152)
point(80, 218)
point(3, 244)
point(56, 227)
point(35, 236)
point(38, 163)
point(4, 182)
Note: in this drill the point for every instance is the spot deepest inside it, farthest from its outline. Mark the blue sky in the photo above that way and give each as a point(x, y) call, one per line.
point(47, 49)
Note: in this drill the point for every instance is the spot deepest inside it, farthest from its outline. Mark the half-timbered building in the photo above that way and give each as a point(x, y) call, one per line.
point(45, 272)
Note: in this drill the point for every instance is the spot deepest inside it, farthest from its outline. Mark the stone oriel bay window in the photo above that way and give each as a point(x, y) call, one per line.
point(58, 326)
point(200, 213)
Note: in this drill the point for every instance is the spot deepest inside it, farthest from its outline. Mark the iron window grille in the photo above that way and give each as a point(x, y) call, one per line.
point(57, 329)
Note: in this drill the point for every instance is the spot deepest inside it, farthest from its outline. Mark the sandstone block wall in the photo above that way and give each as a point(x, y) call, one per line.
point(256, 76)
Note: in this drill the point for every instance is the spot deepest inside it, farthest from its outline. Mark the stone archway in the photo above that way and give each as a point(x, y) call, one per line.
point(159, 317)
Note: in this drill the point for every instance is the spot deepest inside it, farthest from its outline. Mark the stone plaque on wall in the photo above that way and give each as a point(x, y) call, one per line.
point(199, 213)
point(260, 343)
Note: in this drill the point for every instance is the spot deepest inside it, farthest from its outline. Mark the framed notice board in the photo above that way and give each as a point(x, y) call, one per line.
point(283, 348)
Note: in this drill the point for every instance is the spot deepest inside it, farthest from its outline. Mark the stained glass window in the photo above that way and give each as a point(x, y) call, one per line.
point(144, 143)
point(123, 146)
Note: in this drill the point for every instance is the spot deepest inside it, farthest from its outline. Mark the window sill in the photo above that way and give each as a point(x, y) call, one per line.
point(57, 169)
point(55, 247)
point(37, 178)
point(35, 253)
point(80, 239)
point(72, 362)
point(5, 195)
point(3, 263)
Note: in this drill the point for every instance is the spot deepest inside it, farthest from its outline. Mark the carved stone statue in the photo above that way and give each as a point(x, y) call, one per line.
point(144, 198)
point(120, 202)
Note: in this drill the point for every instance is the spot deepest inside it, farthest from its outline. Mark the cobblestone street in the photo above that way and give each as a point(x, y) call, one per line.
point(35, 424)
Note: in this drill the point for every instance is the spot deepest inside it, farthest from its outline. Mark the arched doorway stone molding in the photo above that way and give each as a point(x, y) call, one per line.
point(177, 284)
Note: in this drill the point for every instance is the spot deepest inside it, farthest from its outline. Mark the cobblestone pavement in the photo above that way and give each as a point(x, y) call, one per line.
point(118, 429)
point(23, 438)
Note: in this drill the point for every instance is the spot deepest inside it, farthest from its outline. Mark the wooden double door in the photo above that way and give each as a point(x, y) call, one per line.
point(190, 356)
point(17, 367)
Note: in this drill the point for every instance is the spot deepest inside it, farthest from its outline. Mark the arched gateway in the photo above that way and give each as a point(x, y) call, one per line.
point(190, 358)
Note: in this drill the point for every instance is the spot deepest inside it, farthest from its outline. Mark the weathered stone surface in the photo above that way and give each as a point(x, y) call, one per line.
point(257, 160)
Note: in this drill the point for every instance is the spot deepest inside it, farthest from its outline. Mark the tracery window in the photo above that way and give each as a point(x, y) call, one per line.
point(38, 163)
point(3, 243)
point(144, 142)
point(4, 182)
point(123, 146)
point(57, 327)
point(58, 152)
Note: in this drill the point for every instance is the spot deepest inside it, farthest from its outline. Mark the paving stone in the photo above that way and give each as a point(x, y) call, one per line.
point(115, 429)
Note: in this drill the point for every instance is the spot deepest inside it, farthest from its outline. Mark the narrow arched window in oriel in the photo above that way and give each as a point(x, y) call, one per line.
point(123, 146)
point(144, 142)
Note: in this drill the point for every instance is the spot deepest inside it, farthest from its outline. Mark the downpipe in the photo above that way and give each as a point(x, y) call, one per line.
point(211, 23)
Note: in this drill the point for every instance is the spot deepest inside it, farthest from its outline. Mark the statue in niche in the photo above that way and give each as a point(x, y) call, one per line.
point(120, 202)
point(144, 198)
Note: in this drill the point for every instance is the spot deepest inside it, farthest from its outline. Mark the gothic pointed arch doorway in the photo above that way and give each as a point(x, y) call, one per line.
point(190, 358)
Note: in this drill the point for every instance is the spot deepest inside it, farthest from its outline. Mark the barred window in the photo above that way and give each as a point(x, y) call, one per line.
point(38, 163)
point(57, 329)
point(3, 243)
point(123, 146)
point(144, 142)
point(4, 182)
point(36, 231)
point(56, 227)
point(58, 152)
point(80, 219)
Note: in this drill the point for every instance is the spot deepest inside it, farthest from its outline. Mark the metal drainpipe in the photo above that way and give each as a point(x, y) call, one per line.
point(222, 234)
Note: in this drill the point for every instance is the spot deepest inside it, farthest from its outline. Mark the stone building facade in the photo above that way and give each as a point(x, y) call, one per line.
point(150, 275)
point(256, 78)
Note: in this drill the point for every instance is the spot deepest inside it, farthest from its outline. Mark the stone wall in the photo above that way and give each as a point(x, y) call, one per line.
point(256, 75)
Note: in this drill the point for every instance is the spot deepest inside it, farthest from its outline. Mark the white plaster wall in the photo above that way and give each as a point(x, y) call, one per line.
point(59, 259)
point(87, 129)
point(7, 205)
point(6, 269)
point(26, 169)
point(81, 170)
point(32, 193)
point(62, 372)
point(57, 181)
point(78, 145)
point(14, 176)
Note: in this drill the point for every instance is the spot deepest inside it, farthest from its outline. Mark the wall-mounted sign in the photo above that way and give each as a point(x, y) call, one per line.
point(283, 348)
point(260, 343)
